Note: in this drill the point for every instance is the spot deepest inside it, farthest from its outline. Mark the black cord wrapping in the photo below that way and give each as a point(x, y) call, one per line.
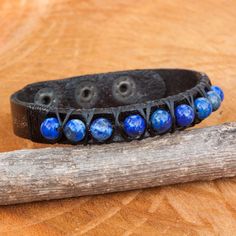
point(68, 114)
point(118, 126)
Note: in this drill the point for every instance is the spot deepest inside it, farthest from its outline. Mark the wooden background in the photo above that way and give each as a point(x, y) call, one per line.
point(50, 39)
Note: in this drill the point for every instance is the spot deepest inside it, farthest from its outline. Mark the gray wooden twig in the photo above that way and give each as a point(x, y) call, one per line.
point(61, 172)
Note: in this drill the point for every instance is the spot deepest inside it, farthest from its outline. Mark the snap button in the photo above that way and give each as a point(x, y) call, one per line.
point(124, 89)
point(45, 96)
point(86, 94)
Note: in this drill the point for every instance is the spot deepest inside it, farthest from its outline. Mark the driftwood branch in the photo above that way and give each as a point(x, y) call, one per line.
point(53, 173)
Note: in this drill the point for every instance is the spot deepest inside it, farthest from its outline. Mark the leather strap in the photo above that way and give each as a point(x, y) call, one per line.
point(112, 95)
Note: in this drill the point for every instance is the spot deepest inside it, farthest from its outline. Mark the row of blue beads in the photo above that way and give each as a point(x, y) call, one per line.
point(134, 125)
point(75, 129)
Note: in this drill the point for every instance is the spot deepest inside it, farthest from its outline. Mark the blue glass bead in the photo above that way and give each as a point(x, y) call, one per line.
point(214, 99)
point(101, 129)
point(75, 130)
point(184, 115)
point(203, 107)
point(161, 121)
point(134, 126)
point(219, 91)
point(50, 129)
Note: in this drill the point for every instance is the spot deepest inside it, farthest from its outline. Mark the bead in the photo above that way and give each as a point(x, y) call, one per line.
point(161, 121)
point(219, 91)
point(203, 107)
point(214, 99)
point(184, 115)
point(101, 129)
point(75, 130)
point(134, 126)
point(50, 128)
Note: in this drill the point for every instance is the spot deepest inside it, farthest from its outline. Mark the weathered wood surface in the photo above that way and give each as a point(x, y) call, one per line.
point(44, 39)
point(52, 173)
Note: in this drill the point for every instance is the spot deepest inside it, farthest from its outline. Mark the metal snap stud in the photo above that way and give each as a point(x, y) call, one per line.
point(45, 96)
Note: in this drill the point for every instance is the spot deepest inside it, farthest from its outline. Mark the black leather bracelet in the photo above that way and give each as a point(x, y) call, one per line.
point(113, 107)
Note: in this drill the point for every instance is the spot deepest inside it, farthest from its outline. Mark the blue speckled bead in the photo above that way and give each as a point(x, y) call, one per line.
point(161, 121)
point(50, 128)
point(214, 99)
point(184, 115)
point(75, 130)
point(219, 91)
point(101, 129)
point(134, 126)
point(203, 108)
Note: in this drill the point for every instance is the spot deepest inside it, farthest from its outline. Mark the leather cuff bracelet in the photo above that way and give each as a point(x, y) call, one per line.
point(113, 107)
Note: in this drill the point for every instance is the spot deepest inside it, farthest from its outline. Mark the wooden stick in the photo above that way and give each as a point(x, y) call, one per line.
point(61, 172)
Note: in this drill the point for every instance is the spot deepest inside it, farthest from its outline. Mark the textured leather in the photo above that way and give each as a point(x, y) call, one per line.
point(90, 96)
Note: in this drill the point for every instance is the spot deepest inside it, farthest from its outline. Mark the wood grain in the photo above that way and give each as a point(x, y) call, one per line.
point(45, 39)
point(62, 172)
